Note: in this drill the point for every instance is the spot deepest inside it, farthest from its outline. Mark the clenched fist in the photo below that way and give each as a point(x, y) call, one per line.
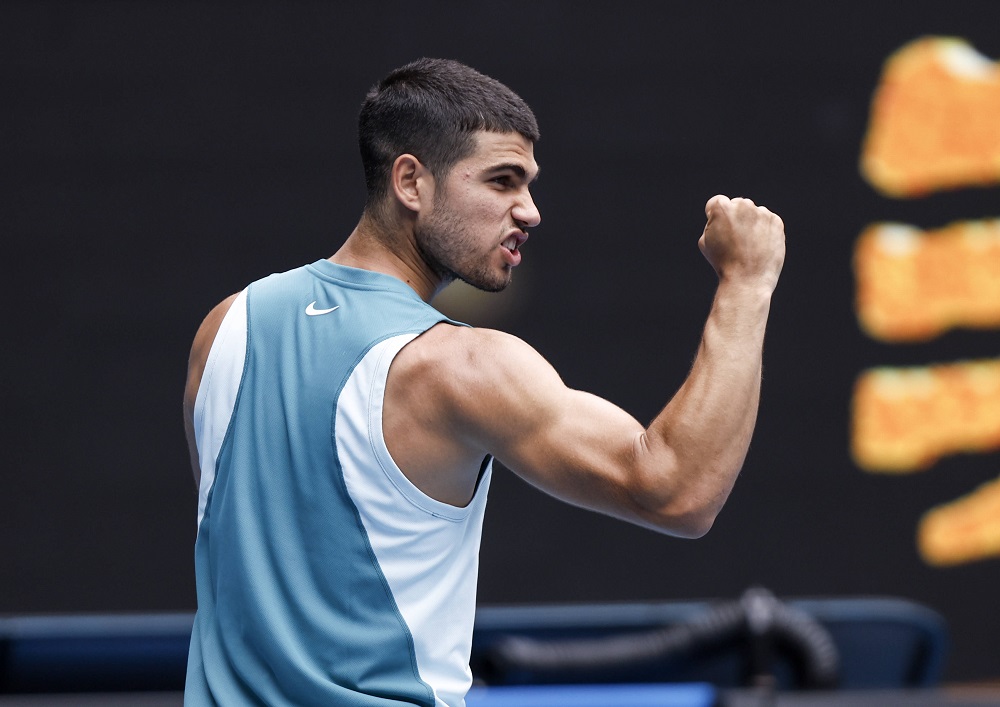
point(743, 242)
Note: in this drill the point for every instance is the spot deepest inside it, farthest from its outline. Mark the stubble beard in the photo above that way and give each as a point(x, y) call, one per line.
point(449, 250)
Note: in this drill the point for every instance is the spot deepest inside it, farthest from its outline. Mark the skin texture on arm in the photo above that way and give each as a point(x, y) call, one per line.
point(455, 394)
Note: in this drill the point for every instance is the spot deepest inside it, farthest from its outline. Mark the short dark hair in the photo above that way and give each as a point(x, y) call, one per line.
point(431, 108)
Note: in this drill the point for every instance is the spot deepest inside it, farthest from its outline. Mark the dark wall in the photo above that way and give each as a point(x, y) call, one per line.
point(155, 157)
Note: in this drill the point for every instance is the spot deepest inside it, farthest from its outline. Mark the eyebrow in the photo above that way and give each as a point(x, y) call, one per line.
point(516, 169)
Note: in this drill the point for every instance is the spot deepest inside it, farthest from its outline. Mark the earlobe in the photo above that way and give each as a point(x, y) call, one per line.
point(409, 179)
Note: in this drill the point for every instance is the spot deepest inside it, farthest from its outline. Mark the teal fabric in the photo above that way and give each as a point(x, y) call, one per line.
point(292, 606)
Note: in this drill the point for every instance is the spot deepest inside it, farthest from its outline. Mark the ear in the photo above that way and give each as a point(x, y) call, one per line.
point(412, 183)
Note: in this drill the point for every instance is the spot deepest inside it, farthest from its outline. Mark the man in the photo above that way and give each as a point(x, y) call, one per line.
point(343, 430)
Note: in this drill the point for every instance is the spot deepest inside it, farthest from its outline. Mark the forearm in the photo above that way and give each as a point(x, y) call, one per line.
point(676, 474)
point(694, 449)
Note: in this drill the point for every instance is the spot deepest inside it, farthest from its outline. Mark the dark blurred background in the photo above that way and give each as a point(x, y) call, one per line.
point(157, 156)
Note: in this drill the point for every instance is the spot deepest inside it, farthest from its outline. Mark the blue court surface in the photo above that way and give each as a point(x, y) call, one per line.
point(646, 695)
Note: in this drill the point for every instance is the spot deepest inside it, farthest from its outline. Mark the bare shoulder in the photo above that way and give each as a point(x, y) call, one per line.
point(444, 391)
point(468, 357)
point(477, 380)
point(469, 341)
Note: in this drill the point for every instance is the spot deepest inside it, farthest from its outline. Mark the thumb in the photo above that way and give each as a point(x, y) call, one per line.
point(717, 201)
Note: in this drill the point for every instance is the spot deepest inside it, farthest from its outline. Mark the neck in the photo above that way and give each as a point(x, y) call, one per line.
point(390, 251)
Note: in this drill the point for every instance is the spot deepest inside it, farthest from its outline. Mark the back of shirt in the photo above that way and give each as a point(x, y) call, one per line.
point(323, 575)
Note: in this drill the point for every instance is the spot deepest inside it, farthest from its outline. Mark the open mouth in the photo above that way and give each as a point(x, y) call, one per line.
point(513, 241)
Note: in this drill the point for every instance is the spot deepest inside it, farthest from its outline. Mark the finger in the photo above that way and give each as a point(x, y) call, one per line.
point(771, 215)
point(717, 201)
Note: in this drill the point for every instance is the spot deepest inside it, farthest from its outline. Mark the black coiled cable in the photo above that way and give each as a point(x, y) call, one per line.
point(757, 616)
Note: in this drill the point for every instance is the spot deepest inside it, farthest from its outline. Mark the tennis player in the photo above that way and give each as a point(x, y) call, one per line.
point(343, 431)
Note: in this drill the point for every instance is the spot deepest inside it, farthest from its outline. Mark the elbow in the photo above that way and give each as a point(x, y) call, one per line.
point(694, 527)
point(679, 495)
point(683, 511)
point(691, 524)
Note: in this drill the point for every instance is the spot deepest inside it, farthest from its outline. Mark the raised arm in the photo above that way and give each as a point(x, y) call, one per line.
point(707, 425)
point(497, 395)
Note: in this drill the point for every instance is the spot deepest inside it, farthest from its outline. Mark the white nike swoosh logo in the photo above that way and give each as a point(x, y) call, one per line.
point(313, 312)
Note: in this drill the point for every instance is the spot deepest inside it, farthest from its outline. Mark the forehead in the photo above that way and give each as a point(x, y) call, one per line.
point(493, 149)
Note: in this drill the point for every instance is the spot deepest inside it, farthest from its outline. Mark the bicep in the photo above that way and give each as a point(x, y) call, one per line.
point(571, 444)
point(587, 453)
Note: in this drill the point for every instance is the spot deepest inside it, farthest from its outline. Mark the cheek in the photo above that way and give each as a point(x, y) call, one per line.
point(476, 209)
point(486, 209)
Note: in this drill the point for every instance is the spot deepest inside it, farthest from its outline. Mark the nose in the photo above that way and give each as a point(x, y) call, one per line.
point(525, 213)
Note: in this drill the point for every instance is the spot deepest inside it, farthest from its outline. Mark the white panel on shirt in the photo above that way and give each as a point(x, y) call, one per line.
point(220, 382)
point(427, 550)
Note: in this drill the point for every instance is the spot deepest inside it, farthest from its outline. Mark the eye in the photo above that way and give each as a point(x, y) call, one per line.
point(505, 181)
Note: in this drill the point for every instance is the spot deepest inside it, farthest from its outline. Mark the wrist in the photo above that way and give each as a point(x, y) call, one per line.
point(755, 288)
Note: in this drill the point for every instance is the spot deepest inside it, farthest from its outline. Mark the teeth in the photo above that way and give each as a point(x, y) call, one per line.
point(510, 244)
